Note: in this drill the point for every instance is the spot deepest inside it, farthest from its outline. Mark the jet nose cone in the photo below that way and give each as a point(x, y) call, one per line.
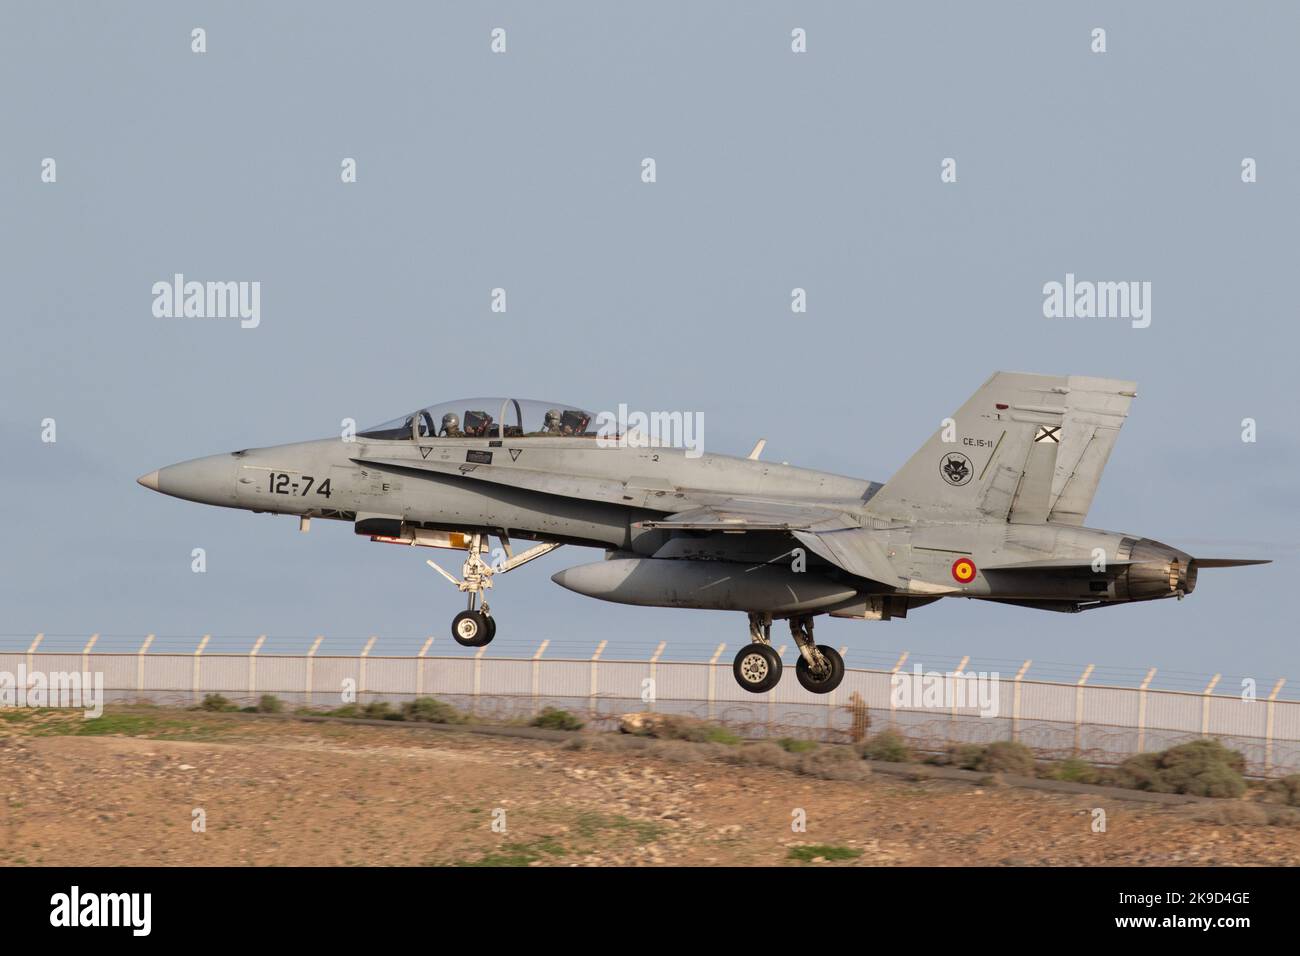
point(150, 480)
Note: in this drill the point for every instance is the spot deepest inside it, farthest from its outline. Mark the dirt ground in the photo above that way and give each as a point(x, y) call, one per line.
point(289, 792)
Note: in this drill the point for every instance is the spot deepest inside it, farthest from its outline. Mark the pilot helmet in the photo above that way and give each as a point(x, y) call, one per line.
point(450, 421)
point(553, 418)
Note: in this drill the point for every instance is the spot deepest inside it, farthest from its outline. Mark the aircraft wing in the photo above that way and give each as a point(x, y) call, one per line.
point(737, 515)
point(822, 528)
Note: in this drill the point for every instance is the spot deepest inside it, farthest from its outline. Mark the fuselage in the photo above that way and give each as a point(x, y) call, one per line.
point(569, 490)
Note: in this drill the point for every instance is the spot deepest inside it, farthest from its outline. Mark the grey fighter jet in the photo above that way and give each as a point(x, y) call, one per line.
point(991, 508)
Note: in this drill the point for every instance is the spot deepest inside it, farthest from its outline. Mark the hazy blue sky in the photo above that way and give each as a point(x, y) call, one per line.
point(522, 171)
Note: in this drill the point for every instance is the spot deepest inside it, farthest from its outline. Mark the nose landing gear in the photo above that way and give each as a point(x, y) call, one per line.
point(475, 627)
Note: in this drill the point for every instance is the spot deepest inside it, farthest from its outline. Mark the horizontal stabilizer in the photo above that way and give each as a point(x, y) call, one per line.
point(857, 551)
point(1230, 562)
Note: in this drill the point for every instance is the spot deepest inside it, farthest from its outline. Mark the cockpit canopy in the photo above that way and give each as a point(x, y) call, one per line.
point(488, 418)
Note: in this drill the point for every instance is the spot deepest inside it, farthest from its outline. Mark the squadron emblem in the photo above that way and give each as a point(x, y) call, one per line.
point(956, 468)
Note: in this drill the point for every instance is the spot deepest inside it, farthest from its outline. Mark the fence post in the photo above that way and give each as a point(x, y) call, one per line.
point(252, 664)
point(361, 670)
point(198, 654)
point(713, 663)
point(478, 678)
point(771, 694)
point(1268, 729)
point(893, 674)
point(311, 666)
point(419, 668)
point(1205, 704)
point(537, 673)
point(85, 653)
point(1015, 699)
point(30, 651)
point(1142, 709)
point(1078, 706)
point(591, 704)
point(956, 676)
point(654, 670)
point(139, 664)
point(830, 698)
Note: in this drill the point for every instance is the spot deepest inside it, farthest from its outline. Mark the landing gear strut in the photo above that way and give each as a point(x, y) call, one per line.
point(475, 626)
point(820, 668)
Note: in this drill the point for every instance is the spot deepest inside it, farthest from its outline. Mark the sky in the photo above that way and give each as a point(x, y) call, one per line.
point(522, 170)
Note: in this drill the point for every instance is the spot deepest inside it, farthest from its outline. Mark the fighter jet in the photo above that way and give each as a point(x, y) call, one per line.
point(991, 508)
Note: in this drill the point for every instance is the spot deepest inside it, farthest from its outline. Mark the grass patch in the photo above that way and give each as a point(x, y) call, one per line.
point(1203, 768)
point(519, 854)
point(678, 727)
point(1284, 790)
point(887, 746)
point(430, 710)
point(1072, 770)
point(427, 710)
point(553, 718)
point(823, 851)
point(795, 745)
point(126, 724)
point(1004, 756)
point(217, 703)
point(590, 824)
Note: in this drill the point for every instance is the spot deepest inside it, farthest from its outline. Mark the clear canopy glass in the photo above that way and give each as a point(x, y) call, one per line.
point(488, 418)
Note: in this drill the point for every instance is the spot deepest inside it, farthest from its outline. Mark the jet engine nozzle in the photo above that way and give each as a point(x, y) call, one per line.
point(1158, 571)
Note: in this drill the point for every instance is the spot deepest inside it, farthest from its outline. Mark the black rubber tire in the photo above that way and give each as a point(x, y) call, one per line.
point(491, 629)
point(757, 668)
point(470, 629)
point(826, 684)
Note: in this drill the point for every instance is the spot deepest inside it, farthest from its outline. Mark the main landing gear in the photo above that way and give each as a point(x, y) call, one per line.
point(475, 626)
point(757, 666)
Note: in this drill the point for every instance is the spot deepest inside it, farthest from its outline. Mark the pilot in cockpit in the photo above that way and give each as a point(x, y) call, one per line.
point(553, 425)
point(451, 426)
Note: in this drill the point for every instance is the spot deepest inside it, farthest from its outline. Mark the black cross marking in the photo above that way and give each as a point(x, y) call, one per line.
point(1048, 433)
